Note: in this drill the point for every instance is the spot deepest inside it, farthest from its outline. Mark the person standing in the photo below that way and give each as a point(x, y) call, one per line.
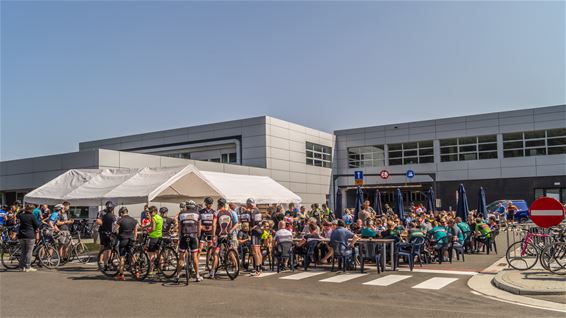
point(27, 234)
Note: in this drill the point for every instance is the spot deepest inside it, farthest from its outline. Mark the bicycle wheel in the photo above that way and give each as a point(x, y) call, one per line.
point(108, 262)
point(82, 253)
point(11, 255)
point(139, 264)
point(167, 262)
point(556, 260)
point(232, 264)
point(522, 257)
point(188, 267)
point(49, 256)
point(209, 258)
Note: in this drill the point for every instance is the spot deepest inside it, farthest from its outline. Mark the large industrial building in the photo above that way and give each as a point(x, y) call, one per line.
point(514, 155)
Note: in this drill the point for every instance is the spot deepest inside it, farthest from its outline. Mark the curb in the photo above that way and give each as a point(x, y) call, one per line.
point(500, 283)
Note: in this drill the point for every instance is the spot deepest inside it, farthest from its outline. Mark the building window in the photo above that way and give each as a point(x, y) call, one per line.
point(411, 153)
point(228, 157)
point(367, 156)
point(468, 148)
point(534, 143)
point(319, 155)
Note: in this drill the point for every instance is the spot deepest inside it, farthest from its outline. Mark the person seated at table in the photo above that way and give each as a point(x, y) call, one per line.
point(324, 247)
point(438, 236)
point(342, 236)
point(415, 231)
point(347, 217)
point(493, 224)
point(482, 233)
point(368, 230)
point(356, 228)
point(282, 240)
point(391, 232)
point(457, 234)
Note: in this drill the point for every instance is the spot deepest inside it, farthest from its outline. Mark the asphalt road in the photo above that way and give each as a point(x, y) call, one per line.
point(80, 291)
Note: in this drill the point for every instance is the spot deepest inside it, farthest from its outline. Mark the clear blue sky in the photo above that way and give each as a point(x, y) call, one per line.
point(78, 71)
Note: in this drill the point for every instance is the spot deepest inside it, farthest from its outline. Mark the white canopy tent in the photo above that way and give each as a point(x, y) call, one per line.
point(93, 187)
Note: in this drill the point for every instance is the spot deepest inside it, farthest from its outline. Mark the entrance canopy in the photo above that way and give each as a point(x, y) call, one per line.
point(93, 187)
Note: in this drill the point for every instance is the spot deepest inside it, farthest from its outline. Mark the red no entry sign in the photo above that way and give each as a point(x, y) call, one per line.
point(384, 174)
point(546, 212)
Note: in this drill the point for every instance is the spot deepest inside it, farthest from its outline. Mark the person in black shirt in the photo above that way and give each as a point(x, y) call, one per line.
point(168, 223)
point(27, 235)
point(127, 232)
point(106, 222)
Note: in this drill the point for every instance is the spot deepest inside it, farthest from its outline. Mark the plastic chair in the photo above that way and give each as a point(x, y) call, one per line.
point(370, 251)
point(343, 252)
point(283, 251)
point(410, 251)
point(458, 249)
point(309, 256)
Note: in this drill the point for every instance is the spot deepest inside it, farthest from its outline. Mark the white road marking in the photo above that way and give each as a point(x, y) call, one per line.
point(435, 283)
point(438, 271)
point(265, 274)
point(342, 278)
point(302, 275)
point(387, 280)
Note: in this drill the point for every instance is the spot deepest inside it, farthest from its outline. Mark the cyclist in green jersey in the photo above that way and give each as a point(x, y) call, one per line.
point(155, 235)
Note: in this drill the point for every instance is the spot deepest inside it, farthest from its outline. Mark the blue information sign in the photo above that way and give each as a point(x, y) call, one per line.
point(410, 174)
point(359, 175)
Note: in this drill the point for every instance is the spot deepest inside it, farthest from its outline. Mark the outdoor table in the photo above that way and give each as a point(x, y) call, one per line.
point(384, 243)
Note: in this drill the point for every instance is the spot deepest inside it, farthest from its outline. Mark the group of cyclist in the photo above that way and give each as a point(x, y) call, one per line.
point(54, 224)
point(196, 226)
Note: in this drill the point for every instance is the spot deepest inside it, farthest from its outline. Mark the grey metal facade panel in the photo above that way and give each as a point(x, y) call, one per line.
point(518, 172)
point(550, 109)
point(560, 123)
point(551, 170)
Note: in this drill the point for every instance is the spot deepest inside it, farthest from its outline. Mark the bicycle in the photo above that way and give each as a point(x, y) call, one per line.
point(167, 259)
point(228, 258)
point(524, 254)
point(45, 253)
point(552, 257)
point(189, 264)
point(136, 260)
point(78, 250)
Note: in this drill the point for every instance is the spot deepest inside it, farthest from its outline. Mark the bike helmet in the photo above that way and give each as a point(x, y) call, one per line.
point(163, 210)
point(208, 200)
point(109, 205)
point(58, 207)
point(182, 205)
point(123, 210)
point(222, 201)
point(191, 204)
point(250, 201)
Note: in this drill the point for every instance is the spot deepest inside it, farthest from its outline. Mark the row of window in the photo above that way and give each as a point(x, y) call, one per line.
point(224, 158)
point(318, 155)
point(533, 143)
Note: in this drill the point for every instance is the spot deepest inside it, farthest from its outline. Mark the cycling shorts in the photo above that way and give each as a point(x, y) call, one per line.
point(153, 244)
point(256, 238)
point(123, 246)
point(105, 240)
point(206, 237)
point(189, 242)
